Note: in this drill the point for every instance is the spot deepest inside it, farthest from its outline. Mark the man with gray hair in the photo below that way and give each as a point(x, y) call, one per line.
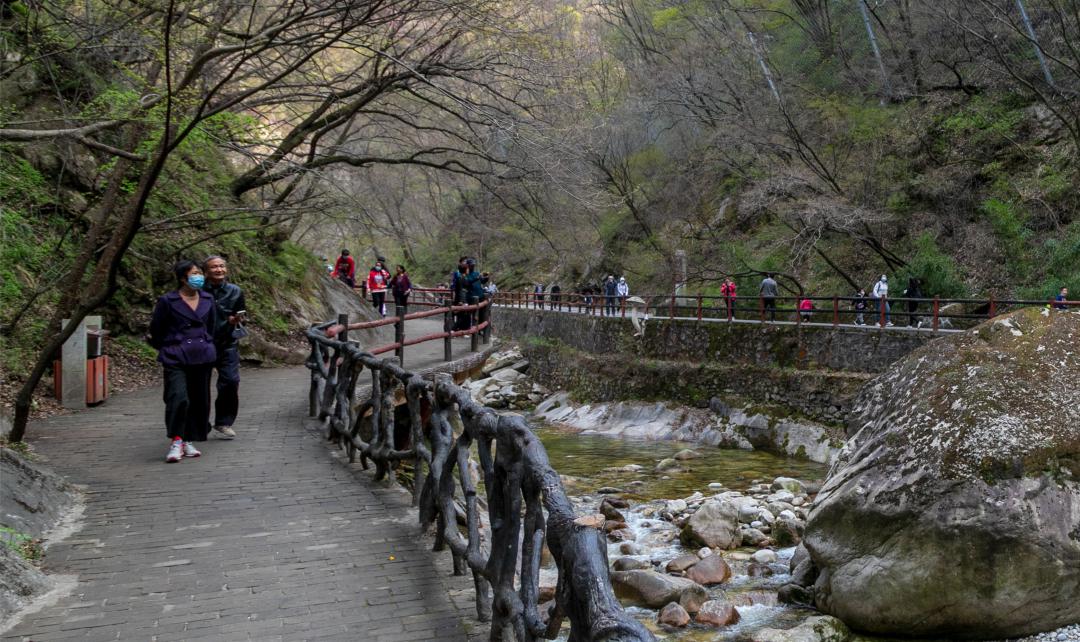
point(230, 328)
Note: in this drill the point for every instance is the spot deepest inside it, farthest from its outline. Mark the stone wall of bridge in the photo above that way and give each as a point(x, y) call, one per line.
point(807, 370)
point(807, 346)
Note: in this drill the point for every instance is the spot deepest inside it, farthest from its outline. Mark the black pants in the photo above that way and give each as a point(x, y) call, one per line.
point(401, 301)
point(770, 306)
point(378, 300)
point(187, 401)
point(610, 306)
point(227, 403)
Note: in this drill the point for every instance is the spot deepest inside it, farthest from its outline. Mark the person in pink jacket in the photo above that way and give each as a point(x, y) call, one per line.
point(378, 281)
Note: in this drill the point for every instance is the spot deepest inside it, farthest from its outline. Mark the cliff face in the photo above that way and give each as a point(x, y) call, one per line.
point(954, 509)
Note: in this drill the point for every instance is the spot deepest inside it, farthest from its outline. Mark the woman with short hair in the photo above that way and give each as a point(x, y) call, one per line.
point(181, 329)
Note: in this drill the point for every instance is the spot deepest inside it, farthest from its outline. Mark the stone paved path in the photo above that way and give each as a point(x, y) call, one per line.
point(268, 537)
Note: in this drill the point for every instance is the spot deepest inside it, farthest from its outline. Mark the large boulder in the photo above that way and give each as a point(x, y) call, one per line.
point(954, 510)
point(715, 524)
point(652, 589)
point(821, 628)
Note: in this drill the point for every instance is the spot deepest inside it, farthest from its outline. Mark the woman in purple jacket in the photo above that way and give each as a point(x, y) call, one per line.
point(182, 331)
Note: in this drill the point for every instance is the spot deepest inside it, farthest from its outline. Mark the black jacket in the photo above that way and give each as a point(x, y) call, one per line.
point(230, 300)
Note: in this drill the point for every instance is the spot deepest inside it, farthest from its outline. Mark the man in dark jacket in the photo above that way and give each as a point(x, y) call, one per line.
point(229, 328)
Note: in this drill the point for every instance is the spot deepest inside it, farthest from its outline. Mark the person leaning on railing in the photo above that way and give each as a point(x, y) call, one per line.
point(1061, 298)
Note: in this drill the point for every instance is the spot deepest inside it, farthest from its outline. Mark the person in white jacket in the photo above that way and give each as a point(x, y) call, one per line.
point(881, 293)
point(622, 289)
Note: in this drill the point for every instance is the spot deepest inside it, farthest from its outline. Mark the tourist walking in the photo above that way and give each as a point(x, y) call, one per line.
point(912, 293)
point(806, 309)
point(401, 287)
point(881, 295)
point(378, 281)
point(345, 269)
point(860, 307)
point(231, 314)
point(181, 329)
point(611, 293)
point(727, 291)
point(556, 297)
point(768, 292)
point(538, 296)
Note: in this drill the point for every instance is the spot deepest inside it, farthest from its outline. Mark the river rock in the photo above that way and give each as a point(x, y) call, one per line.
point(630, 548)
point(612, 525)
point(506, 375)
point(673, 615)
point(709, 571)
point(787, 532)
point(693, 597)
point(820, 628)
point(622, 535)
point(717, 613)
point(753, 537)
point(686, 454)
point(651, 589)
point(793, 486)
point(675, 506)
point(681, 563)
point(715, 524)
point(596, 520)
point(764, 556)
point(954, 509)
point(609, 490)
point(609, 511)
point(618, 502)
point(630, 564)
point(666, 464)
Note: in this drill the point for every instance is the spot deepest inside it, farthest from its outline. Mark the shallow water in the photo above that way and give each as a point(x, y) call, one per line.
point(590, 462)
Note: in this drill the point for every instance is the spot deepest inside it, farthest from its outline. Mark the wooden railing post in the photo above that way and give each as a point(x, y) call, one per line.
point(993, 307)
point(882, 302)
point(699, 307)
point(835, 311)
point(937, 307)
point(448, 327)
point(474, 338)
point(399, 332)
point(343, 320)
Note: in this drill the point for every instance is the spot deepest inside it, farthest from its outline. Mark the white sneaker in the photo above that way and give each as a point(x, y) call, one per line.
point(225, 432)
point(190, 451)
point(176, 452)
point(890, 324)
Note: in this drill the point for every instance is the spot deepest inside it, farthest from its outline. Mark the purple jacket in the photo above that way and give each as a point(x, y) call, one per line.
point(182, 336)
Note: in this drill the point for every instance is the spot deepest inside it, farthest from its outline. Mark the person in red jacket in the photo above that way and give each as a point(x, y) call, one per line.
point(806, 309)
point(727, 290)
point(378, 281)
point(345, 269)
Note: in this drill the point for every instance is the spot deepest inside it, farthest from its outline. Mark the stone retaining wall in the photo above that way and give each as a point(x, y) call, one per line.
point(846, 349)
point(817, 394)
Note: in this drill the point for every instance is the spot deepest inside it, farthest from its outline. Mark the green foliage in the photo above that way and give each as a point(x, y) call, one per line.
point(986, 121)
point(936, 270)
point(1007, 221)
point(29, 548)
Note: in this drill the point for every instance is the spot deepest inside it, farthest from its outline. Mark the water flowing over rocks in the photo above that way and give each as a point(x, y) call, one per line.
point(954, 510)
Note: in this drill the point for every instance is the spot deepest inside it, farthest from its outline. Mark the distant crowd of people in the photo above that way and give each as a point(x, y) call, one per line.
point(611, 293)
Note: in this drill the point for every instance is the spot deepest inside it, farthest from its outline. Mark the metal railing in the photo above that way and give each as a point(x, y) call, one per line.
point(519, 483)
point(930, 313)
point(475, 316)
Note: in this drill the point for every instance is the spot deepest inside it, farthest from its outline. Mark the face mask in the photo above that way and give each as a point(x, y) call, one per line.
point(196, 281)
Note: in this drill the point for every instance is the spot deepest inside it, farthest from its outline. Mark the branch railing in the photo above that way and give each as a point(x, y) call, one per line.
point(474, 321)
point(931, 313)
point(526, 503)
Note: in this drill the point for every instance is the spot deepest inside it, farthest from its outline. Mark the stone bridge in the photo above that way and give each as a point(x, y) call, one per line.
point(811, 368)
